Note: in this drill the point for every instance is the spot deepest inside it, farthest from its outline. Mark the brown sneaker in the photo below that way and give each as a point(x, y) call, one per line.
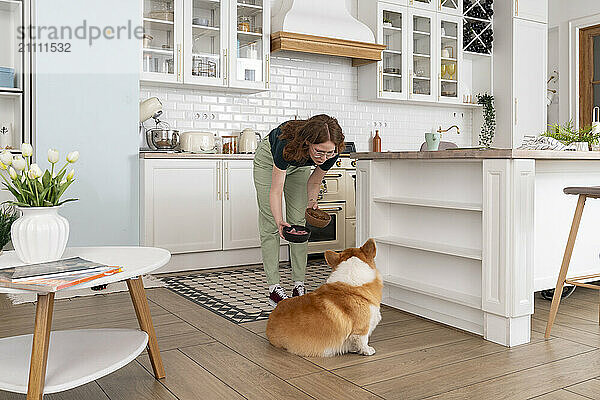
point(276, 295)
point(298, 290)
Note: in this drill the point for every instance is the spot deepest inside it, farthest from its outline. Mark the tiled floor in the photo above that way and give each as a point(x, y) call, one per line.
point(208, 357)
point(240, 295)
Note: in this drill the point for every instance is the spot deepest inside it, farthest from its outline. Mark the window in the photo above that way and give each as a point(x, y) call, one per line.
point(589, 73)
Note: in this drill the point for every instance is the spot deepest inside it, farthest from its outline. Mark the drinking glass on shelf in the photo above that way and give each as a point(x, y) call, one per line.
point(443, 70)
point(451, 70)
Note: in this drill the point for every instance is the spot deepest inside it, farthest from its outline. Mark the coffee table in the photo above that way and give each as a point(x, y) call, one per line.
point(50, 362)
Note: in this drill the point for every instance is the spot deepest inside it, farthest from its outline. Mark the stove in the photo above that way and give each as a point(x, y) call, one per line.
point(337, 197)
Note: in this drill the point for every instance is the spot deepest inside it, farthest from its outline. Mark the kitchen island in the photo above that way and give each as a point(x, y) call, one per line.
point(466, 236)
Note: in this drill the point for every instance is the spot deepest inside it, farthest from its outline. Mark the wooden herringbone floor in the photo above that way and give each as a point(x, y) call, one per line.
point(208, 357)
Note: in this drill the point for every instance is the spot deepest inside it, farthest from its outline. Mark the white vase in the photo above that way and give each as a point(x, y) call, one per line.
point(40, 234)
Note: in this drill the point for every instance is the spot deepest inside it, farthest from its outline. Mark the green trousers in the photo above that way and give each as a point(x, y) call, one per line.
point(296, 200)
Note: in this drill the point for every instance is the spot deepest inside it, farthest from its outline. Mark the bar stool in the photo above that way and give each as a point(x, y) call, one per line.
point(583, 193)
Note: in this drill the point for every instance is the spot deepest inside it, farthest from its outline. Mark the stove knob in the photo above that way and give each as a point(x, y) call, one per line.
point(338, 163)
point(353, 163)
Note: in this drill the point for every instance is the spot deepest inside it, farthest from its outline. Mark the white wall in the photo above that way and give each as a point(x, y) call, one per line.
point(560, 13)
point(305, 85)
point(88, 100)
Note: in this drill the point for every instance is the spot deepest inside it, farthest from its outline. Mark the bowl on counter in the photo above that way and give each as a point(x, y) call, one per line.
point(162, 139)
point(317, 218)
point(296, 233)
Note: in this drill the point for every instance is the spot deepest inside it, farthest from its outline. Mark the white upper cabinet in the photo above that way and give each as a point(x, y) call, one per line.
point(454, 7)
point(163, 38)
point(529, 107)
point(422, 53)
point(213, 43)
point(205, 41)
point(249, 46)
point(392, 82)
point(533, 10)
point(450, 66)
point(423, 4)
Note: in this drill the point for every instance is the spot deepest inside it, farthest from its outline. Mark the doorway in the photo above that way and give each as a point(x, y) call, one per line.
point(589, 73)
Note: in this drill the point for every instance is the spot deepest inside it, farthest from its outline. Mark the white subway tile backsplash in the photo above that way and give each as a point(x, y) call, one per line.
point(306, 85)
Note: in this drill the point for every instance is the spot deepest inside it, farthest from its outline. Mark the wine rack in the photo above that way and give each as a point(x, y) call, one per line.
point(478, 34)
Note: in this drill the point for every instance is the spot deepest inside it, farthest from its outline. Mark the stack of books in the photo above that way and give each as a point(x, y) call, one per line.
point(54, 276)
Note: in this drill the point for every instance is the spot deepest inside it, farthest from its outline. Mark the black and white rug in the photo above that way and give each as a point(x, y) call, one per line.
point(240, 295)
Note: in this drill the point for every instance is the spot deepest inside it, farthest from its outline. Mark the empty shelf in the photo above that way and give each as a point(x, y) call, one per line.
point(411, 201)
point(433, 247)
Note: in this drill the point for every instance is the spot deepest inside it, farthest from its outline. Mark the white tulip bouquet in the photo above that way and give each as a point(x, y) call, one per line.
point(32, 187)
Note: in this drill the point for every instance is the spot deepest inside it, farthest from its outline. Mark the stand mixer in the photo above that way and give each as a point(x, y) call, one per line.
point(161, 137)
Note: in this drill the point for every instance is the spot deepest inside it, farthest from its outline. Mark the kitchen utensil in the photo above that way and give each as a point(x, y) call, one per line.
point(197, 142)
point(163, 138)
point(147, 40)
point(150, 108)
point(248, 142)
point(295, 237)
point(229, 144)
point(317, 218)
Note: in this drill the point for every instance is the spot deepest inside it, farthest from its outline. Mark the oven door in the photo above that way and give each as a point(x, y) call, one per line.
point(333, 236)
point(333, 186)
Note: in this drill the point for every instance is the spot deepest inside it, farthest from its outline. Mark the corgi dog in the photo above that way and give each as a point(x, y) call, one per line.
point(339, 316)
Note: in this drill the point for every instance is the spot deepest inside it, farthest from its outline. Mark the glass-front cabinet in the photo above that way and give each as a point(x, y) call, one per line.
point(161, 45)
point(423, 58)
point(251, 35)
point(450, 61)
point(392, 67)
point(423, 4)
point(422, 55)
point(207, 42)
point(450, 6)
point(15, 67)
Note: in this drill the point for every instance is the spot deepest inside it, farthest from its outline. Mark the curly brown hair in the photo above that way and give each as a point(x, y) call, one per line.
point(300, 133)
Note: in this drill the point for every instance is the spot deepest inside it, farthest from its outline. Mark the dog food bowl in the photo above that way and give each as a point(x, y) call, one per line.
point(294, 237)
point(317, 218)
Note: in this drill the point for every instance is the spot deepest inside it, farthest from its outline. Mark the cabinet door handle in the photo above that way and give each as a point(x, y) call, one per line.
point(268, 77)
point(225, 66)
point(380, 80)
point(179, 62)
point(517, 7)
point(218, 180)
point(227, 180)
point(516, 107)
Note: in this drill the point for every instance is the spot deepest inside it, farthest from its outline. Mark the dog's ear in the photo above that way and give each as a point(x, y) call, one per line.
point(332, 258)
point(369, 249)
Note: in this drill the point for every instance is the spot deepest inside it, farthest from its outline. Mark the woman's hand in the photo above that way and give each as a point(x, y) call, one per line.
point(280, 226)
point(312, 203)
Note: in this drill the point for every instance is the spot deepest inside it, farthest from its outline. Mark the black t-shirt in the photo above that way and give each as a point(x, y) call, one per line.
point(277, 146)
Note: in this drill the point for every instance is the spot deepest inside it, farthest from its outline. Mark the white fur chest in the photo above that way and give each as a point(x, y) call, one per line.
point(354, 272)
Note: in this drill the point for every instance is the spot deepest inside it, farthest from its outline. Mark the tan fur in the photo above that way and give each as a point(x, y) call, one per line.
point(323, 320)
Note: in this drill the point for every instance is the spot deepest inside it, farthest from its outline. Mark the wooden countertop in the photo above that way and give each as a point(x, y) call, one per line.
point(163, 155)
point(481, 154)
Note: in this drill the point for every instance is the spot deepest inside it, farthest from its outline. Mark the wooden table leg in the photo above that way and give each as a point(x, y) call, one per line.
point(140, 304)
point(562, 276)
point(39, 349)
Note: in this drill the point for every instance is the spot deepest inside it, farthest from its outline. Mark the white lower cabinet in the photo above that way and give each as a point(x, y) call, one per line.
point(240, 209)
point(197, 205)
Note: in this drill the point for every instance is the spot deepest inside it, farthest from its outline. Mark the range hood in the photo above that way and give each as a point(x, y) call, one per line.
point(322, 27)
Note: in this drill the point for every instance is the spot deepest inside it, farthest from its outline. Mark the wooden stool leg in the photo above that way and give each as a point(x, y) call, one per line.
point(565, 264)
point(39, 348)
point(140, 304)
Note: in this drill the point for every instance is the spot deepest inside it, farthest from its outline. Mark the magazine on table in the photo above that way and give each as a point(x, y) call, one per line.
point(54, 275)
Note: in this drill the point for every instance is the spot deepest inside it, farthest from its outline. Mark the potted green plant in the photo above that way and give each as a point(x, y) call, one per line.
point(8, 215)
point(488, 129)
point(387, 22)
point(568, 133)
point(40, 234)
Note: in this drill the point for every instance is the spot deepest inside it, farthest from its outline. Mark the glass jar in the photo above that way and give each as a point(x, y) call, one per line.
point(244, 24)
point(229, 144)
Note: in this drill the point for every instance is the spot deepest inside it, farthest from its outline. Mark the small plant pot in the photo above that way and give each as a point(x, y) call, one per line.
point(295, 237)
point(317, 218)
